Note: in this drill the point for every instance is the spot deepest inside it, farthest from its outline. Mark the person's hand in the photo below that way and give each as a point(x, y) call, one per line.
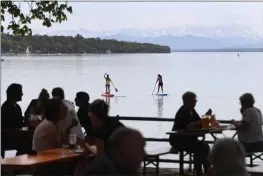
point(209, 112)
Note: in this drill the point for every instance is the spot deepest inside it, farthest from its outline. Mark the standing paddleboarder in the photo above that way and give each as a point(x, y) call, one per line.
point(108, 82)
point(160, 82)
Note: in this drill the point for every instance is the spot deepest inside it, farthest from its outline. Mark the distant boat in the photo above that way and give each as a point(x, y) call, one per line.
point(108, 52)
point(27, 51)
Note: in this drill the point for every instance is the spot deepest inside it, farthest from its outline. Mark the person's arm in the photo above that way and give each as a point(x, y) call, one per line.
point(244, 124)
point(86, 147)
point(178, 122)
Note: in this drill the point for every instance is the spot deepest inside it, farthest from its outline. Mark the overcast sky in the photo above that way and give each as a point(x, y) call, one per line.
point(154, 15)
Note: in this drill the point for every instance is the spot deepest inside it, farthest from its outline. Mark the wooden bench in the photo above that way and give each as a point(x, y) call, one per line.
point(255, 171)
point(153, 157)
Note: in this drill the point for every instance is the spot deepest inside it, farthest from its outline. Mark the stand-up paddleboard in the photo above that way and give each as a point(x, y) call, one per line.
point(107, 94)
point(161, 94)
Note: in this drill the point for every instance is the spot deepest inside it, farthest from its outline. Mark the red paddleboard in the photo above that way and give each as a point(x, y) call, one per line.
point(107, 95)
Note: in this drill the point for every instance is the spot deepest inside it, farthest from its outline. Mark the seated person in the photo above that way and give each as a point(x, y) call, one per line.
point(249, 129)
point(71, 115)
point(228, 158)
point(46, 135)
point(103, 125)
point(82, 101)
point(124, 154)
point(36, 106)
point(185, 118)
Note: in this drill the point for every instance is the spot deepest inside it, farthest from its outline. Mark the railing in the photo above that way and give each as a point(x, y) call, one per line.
point(158, 119)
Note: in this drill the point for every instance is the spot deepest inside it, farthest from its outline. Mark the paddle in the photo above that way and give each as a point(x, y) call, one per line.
point(154, 88)
point(114, 87)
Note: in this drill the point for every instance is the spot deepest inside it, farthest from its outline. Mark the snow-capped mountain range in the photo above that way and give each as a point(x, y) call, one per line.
point(216, 37)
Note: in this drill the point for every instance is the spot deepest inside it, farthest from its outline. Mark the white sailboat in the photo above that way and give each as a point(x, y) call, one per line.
point(27, 51)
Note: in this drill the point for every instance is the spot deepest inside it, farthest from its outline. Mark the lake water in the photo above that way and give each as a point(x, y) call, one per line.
point(218, 79)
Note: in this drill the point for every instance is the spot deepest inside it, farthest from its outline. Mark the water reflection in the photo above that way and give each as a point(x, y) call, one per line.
point(107, 100)
point(159, 101)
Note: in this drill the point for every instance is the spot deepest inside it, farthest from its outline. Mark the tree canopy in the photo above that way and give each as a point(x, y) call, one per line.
point(48, 12)
point(72, 45)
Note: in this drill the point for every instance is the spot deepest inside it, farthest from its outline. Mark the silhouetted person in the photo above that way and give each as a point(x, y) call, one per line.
point(102, 124)
point(123, 155)
point(82, 101)
point(36, 105)
point(71, 123)
point(11, 113)
point(187, 118)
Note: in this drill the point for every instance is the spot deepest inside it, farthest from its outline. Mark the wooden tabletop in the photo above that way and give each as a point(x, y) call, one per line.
point(45, 157)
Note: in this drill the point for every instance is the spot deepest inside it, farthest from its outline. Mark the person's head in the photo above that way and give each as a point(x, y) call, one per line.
point(228, 157)
point(126, 148)
point(14, 92)
point(55, 110)
point(108, 76)
point(82, 98)
point(44, 95)
point(247, 100)
point(189, 100)
point(159, 76)
point(58, 92)
point(98, 112)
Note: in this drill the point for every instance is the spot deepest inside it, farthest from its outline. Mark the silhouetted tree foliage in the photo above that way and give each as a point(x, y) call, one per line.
point(48, 12)
point(77, 44)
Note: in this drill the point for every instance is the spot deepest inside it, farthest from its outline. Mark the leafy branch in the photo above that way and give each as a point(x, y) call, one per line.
point(48, 12)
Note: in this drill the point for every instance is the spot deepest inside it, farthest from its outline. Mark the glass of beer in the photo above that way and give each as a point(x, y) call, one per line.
point(213, 119)
point(205, 121)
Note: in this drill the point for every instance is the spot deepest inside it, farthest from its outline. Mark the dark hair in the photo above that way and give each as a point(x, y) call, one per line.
point(83, 96)
point(99, 108)
point(52, 110)
point(13, 89)
point(188, 95)
point(44, 93)
point(58, 92)
point(247, 98)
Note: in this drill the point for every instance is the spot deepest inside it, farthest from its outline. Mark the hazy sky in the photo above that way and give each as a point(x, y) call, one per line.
point(142, 15)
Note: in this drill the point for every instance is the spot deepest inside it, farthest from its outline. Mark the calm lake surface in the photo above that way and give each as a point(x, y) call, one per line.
point(218, 79)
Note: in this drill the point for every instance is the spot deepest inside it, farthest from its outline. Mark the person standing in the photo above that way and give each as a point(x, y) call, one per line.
point(160, 82)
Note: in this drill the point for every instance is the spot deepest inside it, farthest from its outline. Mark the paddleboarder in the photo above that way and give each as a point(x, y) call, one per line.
point(108, 83)
point(160, 82)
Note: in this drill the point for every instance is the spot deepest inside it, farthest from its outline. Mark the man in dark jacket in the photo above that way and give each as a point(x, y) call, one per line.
point(187, 118)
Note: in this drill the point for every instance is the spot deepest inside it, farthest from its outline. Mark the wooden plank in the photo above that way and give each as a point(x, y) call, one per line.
point(157, 151)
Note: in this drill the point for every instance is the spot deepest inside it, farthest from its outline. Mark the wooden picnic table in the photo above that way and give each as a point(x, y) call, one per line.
point(25, 163)
point(201, 132)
